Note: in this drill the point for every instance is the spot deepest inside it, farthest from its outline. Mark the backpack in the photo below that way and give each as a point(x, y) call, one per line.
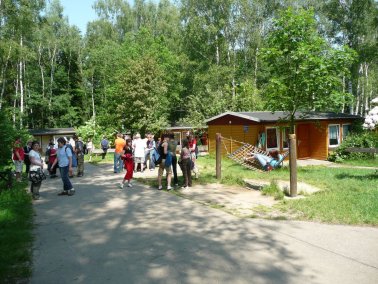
point(79, 145)
point(158, 155)
point(168, 160)
point(74, 159)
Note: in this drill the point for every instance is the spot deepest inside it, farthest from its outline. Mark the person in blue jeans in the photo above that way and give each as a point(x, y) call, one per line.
point(268, 162)
point(64, 160)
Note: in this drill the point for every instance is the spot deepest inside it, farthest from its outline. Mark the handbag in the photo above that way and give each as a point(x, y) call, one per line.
point(37, 176)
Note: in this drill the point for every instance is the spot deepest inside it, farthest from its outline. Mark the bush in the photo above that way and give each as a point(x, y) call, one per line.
point(366, 139)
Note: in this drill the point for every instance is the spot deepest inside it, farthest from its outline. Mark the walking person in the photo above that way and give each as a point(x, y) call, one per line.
point(64, 160)
point(163, 151)
point(128, 161)
point(27, 149)
point(119, 143)
point(151, 145)
point(104, 147)
point(186, 164)
point(18, 158)
point(36, 174)
point(172, 146)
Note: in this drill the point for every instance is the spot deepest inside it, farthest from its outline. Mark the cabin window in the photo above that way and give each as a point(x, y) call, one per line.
point(334, 135)
point(272, 138)
point(177, 138)
point(346, 130)
point(285, 137)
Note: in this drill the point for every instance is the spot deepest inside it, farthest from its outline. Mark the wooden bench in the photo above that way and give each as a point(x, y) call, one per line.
point(99, 151)
point(7, 176)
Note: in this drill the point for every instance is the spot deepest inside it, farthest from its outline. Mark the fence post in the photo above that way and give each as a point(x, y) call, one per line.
point(293, 165)
point(218, 165)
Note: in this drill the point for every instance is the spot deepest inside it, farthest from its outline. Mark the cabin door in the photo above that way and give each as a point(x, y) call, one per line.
point(303, 141)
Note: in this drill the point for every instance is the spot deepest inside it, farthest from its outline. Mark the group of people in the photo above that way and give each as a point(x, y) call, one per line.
point(137, 153)
point(130, 154)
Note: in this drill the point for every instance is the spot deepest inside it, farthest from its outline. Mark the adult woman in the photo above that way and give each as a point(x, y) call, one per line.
point(163, 151)
point(268, 162)
point(90, 148)
point(52, 158)
point(186, 164)
point(64, 160)
point(36, 170)
point(139, 147)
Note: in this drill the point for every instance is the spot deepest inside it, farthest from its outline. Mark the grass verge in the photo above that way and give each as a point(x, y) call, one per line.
point(348, 196)
point(16, 224)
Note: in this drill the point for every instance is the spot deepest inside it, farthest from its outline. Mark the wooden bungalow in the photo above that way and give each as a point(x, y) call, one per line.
point(317, 133)
point(44, 135)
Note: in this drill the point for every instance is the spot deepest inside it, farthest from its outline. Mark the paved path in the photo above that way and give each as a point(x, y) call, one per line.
point(107, 235)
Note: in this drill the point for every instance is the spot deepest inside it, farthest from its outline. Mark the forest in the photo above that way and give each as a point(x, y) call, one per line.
point(152, 64)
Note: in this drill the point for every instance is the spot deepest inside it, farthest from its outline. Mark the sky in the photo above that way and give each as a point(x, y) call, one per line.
point(79, 12)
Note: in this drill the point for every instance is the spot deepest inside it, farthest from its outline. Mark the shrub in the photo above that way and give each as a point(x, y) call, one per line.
point(365, 139)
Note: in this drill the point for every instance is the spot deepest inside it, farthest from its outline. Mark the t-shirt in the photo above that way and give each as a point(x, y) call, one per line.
point(63, 155)
point(119, 144)
point(139, 146)
point(104, 144)
point(274, 162)
point(52, 156)
point(37, 158)
point(172, 146)
point(191, 144)
point(20, 150)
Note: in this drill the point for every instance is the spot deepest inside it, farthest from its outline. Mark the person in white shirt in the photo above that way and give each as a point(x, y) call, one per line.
point(36, 170)
point(139, 146)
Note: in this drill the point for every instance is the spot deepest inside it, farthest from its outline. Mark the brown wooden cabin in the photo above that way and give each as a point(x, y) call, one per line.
point(317, 133)
point(43, 136)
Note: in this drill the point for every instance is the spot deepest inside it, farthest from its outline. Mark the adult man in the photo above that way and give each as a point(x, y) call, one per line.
point(119, 145)
point(139, 146)
point(79, 149)
point(172, 146)
point(192, 148)
point(150, 152)
point(18, 157)
point(104, 146)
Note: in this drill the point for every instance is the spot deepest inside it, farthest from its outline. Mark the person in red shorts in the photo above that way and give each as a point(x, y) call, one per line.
point(128, 161)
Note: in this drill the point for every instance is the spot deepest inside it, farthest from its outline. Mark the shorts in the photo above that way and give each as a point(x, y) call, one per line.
point(138, 160)
point(162, 167)
point(18, 166)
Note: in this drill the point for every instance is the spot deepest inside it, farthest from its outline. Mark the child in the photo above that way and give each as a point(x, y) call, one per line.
point(128, 162)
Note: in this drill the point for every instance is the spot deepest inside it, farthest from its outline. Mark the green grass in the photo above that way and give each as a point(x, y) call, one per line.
point(98, 159)
point(348, 196)
point(16, 223)
point(273, 190)
point(373, 162)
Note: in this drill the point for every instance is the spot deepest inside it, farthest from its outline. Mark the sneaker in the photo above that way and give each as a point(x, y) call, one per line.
point(176, 184)
point(121, 185)
point(71, 192)
point(184, 187)
point(151, 170)
point(64, 192)
point(130, 185)
point(169, 187)
point(160, 187)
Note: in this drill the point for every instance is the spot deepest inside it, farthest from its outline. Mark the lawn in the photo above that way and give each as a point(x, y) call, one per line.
point(348, 196)
point(16, 223)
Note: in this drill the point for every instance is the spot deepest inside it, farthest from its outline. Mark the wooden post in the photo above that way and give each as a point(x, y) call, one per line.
point(218, 152)
point(293, 165)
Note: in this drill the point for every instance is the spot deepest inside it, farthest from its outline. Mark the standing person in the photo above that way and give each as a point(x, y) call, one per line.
point(64, 160)
point(104, 146)
point(128, 161)
point(27, 149)
point(163, 151)
point(186, 164)
point(18, 158)
point(52, 158)
point(90, 148)
point(172, 146)
point(192, 148)
point(36, 170)
point(139, 146)
point(79, 150)
point(119, 143)
point(150, 152)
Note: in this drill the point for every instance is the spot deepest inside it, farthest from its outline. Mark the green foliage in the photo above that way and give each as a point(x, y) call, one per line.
point(364, 139)
point(305, 71)
point(16, 215)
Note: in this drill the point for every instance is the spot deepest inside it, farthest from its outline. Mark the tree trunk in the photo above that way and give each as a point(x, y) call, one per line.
point(3, 78)
point(93, 102)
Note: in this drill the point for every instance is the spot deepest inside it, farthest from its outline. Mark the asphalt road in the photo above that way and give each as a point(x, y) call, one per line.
point(140, 235)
